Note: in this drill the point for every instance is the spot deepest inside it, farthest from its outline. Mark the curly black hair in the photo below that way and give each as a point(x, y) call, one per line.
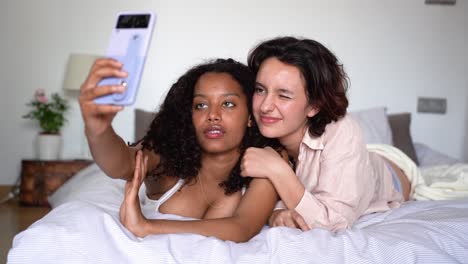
point(172, 134)
point(326, 80)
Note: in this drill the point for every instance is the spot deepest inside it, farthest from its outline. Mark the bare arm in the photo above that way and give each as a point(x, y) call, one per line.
point(285, 181)
point(112, 155)
point(109, 151)
point(248, 219)
point(278, 171)
point(252, 214)
point(345, 185)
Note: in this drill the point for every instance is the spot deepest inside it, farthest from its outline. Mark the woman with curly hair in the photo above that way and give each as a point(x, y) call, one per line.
point(300, 99)
point(189, 158)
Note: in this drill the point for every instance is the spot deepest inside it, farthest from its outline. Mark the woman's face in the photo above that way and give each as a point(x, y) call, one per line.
point(219, 112)
point(280, 103)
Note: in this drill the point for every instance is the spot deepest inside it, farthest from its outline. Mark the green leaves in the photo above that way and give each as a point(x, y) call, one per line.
point(51, 115)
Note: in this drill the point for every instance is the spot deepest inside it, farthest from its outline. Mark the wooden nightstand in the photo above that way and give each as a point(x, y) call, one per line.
point(40, 178)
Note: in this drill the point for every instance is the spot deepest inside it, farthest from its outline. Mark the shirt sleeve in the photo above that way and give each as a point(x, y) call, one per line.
point(345, 185)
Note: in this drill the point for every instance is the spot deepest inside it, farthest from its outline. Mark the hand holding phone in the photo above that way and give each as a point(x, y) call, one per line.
point(129, 44)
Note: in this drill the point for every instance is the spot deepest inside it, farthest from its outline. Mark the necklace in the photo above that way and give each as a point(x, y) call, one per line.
point(205, 197)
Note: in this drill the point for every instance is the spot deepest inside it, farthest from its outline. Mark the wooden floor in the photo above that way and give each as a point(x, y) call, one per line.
point(14, 218)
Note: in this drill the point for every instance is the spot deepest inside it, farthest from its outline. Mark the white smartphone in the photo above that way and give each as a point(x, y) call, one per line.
point(131, 37)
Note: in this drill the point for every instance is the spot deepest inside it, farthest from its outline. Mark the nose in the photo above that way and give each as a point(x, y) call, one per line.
point(214, 114)
point(267, 104)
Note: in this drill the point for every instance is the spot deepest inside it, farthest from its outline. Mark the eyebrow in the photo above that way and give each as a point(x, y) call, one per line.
point(224, 95)
point(281, 90)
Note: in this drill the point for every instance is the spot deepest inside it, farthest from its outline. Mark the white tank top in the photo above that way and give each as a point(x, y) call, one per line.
point(151, 204)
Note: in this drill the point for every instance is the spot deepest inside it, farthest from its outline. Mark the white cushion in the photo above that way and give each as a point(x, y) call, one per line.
point(374, 124)
point(91, 185)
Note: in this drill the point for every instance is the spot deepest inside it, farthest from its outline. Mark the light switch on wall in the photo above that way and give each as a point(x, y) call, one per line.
point(432, 105)
point(440, 2)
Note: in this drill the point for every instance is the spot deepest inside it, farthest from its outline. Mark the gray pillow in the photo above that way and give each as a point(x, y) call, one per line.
point(401, 134)
point(142, 122)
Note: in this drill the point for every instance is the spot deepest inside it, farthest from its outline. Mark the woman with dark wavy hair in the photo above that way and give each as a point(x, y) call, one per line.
point(189, 158)
point(300, 99)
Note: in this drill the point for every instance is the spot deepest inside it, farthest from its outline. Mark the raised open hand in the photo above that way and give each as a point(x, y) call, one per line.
point(130, 210)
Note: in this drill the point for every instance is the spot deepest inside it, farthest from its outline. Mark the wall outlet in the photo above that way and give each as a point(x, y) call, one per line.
point(440, 2)
point(432, 105)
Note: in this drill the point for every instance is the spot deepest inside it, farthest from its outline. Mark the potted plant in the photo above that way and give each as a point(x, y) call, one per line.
point(51, 117)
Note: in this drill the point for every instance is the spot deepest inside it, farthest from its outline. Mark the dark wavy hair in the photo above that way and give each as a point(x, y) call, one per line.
point(172, 134)
point(325, 79)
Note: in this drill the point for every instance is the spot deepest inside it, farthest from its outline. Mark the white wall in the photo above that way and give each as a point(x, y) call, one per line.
point(465, 144)
point(394, 51)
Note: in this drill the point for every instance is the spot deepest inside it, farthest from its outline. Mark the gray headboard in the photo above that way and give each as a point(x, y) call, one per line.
point(142, 122)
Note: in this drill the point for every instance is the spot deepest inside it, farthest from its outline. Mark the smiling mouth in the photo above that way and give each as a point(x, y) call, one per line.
point(269, 120)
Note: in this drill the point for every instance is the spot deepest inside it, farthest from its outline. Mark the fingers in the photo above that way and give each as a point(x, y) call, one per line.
point(254, 159)
point(138, 165)
point(270, 149)
point(289, 222)
point(128, 188)
point(144, 170)
point(103, 68)
point(90, 108)
point(141, 165)
point(89, 90)
point(276, 218)
point(288, 218)
point(136, 180)
point(284, 219)
point(271, 220)
point(91, 94)
point(300, 222)
point(247, 161)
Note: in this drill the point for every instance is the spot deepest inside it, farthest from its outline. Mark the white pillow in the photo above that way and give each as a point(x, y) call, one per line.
point(374, 125)
point(90, 185)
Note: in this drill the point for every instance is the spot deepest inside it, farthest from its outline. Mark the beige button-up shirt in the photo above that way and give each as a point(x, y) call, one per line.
point(342, 180)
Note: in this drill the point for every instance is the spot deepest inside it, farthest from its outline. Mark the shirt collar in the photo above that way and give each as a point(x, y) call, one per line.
point(315, 143)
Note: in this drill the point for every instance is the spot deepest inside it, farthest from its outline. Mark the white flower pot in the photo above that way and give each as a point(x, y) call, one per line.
point(48, 146)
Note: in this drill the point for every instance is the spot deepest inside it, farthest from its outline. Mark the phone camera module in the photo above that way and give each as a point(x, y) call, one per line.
point(133, 21)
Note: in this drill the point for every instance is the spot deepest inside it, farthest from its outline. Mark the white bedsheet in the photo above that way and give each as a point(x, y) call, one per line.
point(82, 232)
point(444, 182)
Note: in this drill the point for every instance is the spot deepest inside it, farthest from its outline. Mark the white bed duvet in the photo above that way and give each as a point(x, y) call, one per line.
point(81, 232)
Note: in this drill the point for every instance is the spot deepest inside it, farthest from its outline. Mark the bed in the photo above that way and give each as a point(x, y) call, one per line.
point(84, 225)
